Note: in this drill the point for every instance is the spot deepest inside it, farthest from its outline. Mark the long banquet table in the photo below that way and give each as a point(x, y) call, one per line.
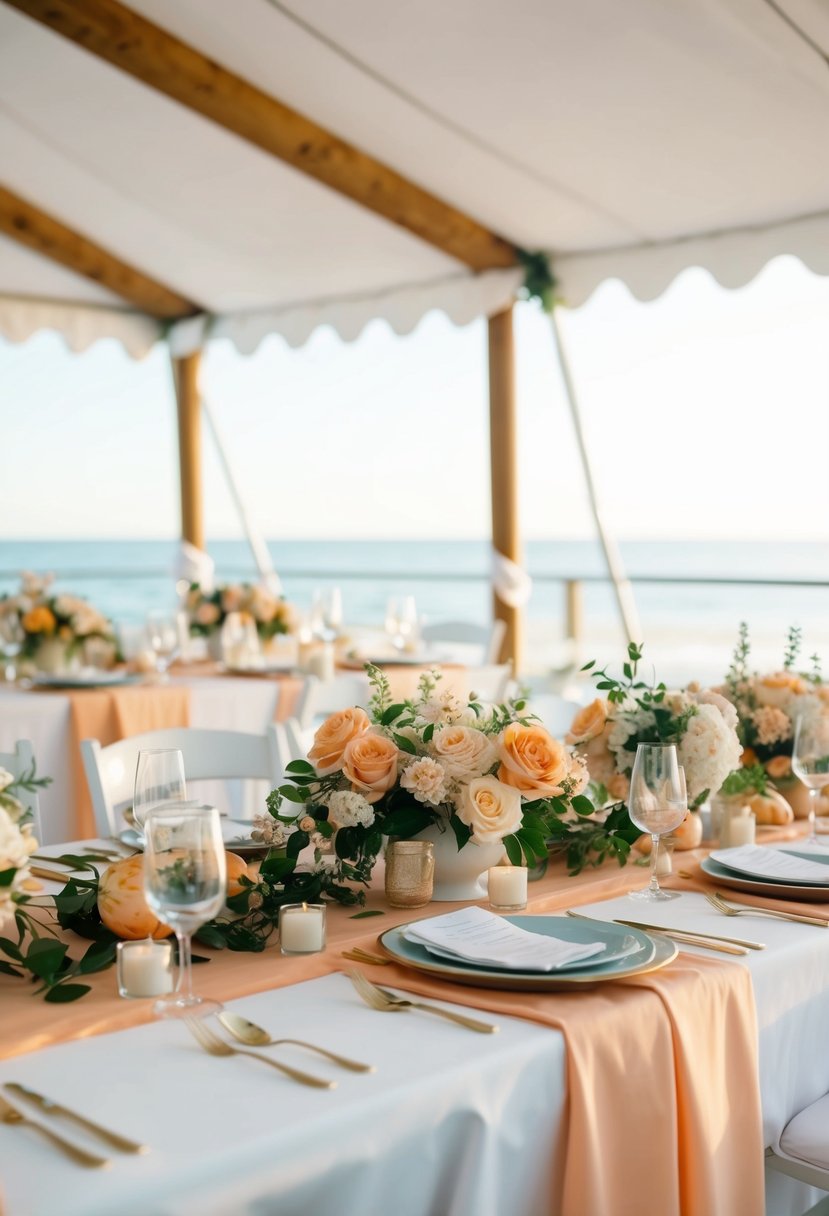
point(452, 1122)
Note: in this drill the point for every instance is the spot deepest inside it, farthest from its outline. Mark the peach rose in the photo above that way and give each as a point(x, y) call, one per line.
point(491, 809)
point(231, 598)
point(370, 764)
point(333, 737)
point(207, 614)
point(463, 751)
point(778, 689)
point(779, 766)
point(588, 722)
point(532, 761)
point(39, 620)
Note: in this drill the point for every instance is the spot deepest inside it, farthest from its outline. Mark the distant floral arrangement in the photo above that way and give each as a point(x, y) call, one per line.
point(38, 619)
point(17, 842)
point(207, 611)
point(700, 722)
point(769, 704)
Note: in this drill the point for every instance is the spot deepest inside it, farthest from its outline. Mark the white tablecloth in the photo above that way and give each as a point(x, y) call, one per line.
point(453, 1123)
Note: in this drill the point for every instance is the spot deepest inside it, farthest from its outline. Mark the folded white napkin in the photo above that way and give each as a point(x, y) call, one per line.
point(772, 863)
point(477, 936)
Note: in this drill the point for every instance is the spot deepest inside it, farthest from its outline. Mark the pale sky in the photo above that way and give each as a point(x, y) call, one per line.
point(707, 412)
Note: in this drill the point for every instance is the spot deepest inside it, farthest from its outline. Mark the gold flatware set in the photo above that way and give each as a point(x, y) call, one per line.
point(389, 1002)
point(706, 941)
point(16, 1116)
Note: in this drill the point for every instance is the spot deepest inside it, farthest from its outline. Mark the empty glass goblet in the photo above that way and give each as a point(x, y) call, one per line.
point(185, 876)
point(159, 779)
point(657, 803)
point(810, 762)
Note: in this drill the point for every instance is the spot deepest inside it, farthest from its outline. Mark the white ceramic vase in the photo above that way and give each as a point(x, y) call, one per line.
point(459, 874)
point(54, 658)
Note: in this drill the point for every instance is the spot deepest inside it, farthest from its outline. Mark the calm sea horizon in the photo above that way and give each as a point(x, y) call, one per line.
point(125, 578)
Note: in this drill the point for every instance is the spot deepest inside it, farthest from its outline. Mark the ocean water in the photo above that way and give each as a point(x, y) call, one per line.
point(449, 580)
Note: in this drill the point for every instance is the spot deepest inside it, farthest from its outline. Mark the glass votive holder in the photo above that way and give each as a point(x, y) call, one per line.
point(410, 873)
point(302, 928)
point(507, 887)
point(144, 968)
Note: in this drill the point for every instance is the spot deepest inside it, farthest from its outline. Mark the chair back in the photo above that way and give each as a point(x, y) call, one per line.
point(490, 683)
point(208, 755)
point(556, 713)
point(488, 637)
point(18, 762)
point(321, 697)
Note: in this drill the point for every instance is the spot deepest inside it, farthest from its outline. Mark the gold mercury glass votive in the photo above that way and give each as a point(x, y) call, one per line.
point(410, 872)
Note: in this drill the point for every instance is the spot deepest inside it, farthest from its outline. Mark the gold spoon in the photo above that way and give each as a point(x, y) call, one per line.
point(254, 1036)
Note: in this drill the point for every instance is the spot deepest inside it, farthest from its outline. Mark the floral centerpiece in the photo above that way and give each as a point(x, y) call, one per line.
point(56, 632)
point(768, 706)
point(479, 775)
point(700, 722)
point(17, 843)
point(207, 611)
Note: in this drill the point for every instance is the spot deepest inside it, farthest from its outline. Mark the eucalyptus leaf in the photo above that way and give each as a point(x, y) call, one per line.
point(366, 913)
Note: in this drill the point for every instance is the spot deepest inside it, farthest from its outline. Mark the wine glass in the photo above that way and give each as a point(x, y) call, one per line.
point(402, 622)
point(810, 762)
point(185, 877)
point(163, 636)
point(159, 779)
point(657, 803)
point(327, 614)
point(12, 638)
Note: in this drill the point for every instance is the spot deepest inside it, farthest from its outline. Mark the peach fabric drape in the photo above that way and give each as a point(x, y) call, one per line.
point(663, 1099)
point(112, 714)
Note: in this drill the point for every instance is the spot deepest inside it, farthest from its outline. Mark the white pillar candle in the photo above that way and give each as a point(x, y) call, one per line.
point(302, 928)
point(508, 886)
point(741, 830)
point(144, 968)
point(320, 662)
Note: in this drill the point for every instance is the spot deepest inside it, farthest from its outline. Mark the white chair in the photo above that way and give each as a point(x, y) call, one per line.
point(489, 683)
point(18, 762)
point(208, 755)
point(488, 637)
point(804, 1150)
point(321, 697)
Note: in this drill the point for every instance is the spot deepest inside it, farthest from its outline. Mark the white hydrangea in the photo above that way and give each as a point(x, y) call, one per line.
point(707, 696)
point(426, 779)
point(6, 778)
point(708, 751)
point(350, 810)
point(808, 707)
point(16, 844)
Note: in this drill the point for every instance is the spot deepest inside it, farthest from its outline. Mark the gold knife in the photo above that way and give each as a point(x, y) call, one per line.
point(704, 941)
point(48, 1107)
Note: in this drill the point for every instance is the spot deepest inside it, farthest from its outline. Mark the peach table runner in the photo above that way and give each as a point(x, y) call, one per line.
point(112, 714)
point(663, 1098)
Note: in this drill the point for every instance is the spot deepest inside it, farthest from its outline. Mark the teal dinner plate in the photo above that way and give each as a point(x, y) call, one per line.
point(652, 952)
point(821, 860)
point(813, 894)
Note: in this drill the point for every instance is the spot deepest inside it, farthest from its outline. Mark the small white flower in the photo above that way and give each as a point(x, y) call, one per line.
point(269, 830)
point(349, 810)
point(441, 709)
point(6, 778)
point(426, 779)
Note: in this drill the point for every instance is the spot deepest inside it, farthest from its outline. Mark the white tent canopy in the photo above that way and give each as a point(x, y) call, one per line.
point(626, 140)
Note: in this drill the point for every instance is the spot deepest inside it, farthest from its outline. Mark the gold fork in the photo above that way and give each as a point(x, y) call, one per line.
point(215, 1046)
point(11, 1115)
point(717, 901)
point(388, 1002)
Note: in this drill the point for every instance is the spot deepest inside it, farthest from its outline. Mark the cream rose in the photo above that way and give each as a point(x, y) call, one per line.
point(463, 751)
point(207, 614)
point(333, 737)
point(370, 764)
point(532, 761)
point(491, 809)
point(779, 688)
point(588, 722)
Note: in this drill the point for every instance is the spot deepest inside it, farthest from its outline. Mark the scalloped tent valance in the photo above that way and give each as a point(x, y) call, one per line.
point(629, 141)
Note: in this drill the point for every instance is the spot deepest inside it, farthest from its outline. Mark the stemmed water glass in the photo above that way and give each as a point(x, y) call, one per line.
point(810, 762)
point(402, 623)
point(163, 636)
point(185, 876)
point(11, 642)
point(657, 803)
point(327, 614)
point(159, 779)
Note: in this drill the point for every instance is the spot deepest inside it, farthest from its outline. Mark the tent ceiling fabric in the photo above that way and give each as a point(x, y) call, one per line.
point(627, 140)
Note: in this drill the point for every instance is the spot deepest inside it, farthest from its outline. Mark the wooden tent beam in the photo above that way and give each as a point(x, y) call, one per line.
point(188, 397)
point(28, 225)
point(128, 41)
point(503, 442)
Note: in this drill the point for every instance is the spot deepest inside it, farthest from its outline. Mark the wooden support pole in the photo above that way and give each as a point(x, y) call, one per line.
point(186, 379)
point(149, 53)
point(503, 445)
